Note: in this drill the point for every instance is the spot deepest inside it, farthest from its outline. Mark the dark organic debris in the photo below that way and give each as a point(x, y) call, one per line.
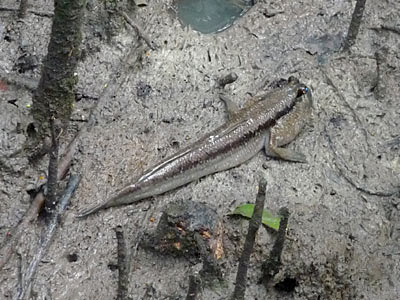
point(227, 79)
point(140, 32)
point(26, 62)
point(46, 238)
point(194, 287)
point(179, 225)
point(73, 257)
point(286, 285)
point(143, 89)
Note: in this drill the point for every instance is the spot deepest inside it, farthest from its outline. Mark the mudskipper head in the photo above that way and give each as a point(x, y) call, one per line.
point(299, 91)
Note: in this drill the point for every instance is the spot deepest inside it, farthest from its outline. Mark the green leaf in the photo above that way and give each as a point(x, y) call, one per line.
point(246, 210)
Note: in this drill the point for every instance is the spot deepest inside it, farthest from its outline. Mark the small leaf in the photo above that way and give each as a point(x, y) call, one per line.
point(246, 210)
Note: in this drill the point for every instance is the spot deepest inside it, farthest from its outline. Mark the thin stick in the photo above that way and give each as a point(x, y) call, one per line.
point(9, 244)
point(123, 265)
point(254, 224)
point(272, 265)
point(52, 180)
point(47, 236)
point(354, 24)
point(140, 32)
point(31, 11)
point(194, 286)
point(23, 7)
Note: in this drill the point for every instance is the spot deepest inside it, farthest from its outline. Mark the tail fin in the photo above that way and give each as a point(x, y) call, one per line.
point(88, 211)
point(124, 196)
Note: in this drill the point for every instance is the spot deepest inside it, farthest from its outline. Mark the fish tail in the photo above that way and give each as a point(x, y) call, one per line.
point(90, 210)
point(125, 196)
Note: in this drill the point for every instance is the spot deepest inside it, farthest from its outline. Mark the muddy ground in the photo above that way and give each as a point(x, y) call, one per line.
point(343, 238)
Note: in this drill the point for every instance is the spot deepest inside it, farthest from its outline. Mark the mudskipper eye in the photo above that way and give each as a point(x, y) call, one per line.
point(302, 91)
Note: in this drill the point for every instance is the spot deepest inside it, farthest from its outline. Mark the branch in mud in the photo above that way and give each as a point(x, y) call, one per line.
point(55, 95)
point(118, 76)
point(123, 265)
point(194, 287)
point(23, 7)
point(254, 224)
point(31, 11)
point(272, 265)
point(46, 238)
point(354, 25)
point(8, 246)
point(50, 202)
point(390, 28)
point(140, 32)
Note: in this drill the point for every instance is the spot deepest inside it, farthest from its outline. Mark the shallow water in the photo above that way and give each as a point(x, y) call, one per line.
point(210, 16)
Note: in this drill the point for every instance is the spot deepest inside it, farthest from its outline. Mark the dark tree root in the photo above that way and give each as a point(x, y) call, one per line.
point(273, 264)
point(354, 25)
point(140, 32)
point(52, 178)
point(194, 287)
point(31, 11)
point(23, 8)
point(123, 265)
point(46, 238)
point(254, 224)
point(8, 245)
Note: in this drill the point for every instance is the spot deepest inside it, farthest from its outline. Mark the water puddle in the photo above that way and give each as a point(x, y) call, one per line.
point(210, 16)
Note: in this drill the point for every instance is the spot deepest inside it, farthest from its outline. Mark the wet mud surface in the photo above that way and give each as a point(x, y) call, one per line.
point(343, 236)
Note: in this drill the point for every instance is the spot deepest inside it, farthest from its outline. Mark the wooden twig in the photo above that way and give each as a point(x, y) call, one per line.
point(194, 287)
point(210, 269)
point(354, 24)
point(389, 28)
point(47, 236)
point(23, 7)
point(117, 77)
point(10, 243)
point(52, 180)
point(31, 11)
point(140, 32)
point(393, 29)
point(254, 224)
point(123, 265)
point(272, 265)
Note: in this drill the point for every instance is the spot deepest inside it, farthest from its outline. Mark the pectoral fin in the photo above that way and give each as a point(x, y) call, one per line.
point(273, 150)
point(231, 107)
